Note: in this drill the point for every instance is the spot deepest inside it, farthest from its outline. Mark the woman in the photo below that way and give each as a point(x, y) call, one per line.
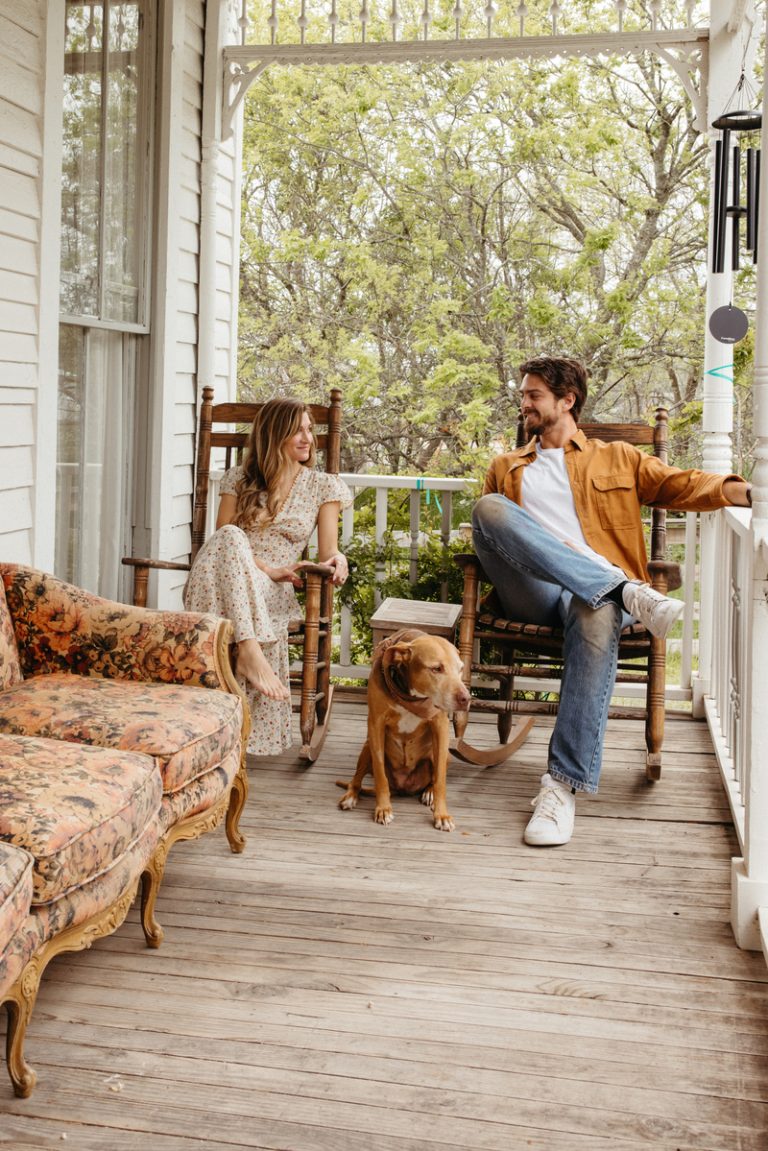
point(248, 569)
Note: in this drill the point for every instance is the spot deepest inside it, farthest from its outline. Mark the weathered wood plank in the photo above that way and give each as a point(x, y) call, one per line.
point(341, 985)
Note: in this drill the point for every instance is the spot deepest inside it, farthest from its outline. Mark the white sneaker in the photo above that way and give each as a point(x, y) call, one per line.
point(654, 611)
point(554, 811)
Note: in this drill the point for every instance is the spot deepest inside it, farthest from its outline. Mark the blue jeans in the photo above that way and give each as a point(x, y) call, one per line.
point(540, 580)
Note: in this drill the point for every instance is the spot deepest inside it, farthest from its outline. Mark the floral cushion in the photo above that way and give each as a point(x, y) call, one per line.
point(15, 890)
point(76, 906)
point(60, 627)
point(10, 669)
point(202, 793)
point(188, 729)
point(76, 810)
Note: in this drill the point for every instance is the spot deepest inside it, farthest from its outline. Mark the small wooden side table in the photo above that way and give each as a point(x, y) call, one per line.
point(435, 618)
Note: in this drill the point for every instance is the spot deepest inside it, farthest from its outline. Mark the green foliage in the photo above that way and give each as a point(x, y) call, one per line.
point(412, 233)
point(438, 578)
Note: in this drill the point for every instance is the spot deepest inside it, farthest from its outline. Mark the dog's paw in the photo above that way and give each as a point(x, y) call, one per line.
point(348, 801)
point(428, 797)
point(383, 815)
point(444, 822)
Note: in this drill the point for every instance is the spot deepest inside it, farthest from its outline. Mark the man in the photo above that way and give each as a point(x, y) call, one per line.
point(559, 534)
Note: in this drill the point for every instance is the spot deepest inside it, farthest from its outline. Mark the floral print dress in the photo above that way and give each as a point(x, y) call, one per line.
point(225, 581)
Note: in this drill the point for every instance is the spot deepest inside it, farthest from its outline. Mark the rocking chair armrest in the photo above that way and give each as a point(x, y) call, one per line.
point(160, 565)
point(665, 575)
point(308, 567)
point(470, 564)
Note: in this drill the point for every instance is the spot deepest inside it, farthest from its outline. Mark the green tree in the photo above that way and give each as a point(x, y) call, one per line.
point(411, 234)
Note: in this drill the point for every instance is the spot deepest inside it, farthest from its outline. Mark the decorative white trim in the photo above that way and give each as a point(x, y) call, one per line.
point(46, 400)
point(687, 66)
point(690, 43)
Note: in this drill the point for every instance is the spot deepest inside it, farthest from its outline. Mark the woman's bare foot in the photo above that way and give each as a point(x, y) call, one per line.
point(252, 666)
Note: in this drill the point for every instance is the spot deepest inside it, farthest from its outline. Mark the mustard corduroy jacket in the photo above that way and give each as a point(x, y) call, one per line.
point(610, 482)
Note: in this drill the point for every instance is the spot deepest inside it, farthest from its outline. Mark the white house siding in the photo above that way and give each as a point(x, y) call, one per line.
point(31, 33)
point(179, 371)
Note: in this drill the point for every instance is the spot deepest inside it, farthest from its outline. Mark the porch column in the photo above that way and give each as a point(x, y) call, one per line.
point(749, 901)
point(730, 30)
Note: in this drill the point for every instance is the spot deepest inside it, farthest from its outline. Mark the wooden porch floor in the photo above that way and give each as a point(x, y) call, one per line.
point(347, 987)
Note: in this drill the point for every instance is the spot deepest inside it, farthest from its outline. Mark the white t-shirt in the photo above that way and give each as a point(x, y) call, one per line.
point(547, 496)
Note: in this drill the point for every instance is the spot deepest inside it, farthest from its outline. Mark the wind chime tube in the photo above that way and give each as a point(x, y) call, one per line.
point(721, 177)
point(736, 209)
point(716, 208)
point(751, 191)
point(757, 201)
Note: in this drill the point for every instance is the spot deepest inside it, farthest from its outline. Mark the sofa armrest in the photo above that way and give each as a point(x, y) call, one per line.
point(60, 627)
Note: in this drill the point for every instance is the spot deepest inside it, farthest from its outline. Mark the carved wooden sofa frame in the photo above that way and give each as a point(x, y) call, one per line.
point(93, 690)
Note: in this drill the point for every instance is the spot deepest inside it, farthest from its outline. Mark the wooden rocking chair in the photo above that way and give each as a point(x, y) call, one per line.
point(314, 632)
point(500, 649)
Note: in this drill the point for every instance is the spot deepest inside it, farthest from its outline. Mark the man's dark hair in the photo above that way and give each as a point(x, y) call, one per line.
point(561, 375)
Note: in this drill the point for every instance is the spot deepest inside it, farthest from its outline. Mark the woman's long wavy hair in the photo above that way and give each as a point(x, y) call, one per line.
point(256, 494)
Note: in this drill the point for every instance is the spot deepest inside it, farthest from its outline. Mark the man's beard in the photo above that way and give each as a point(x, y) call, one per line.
point(537, 425)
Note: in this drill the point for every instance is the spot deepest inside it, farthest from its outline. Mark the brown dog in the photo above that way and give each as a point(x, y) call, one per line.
point(415, 681)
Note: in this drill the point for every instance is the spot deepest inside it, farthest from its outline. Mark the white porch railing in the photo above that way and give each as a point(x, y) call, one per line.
point(735, 708)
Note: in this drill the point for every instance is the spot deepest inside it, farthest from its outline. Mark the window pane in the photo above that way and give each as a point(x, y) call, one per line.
point(97, 374)
point(81, 172)
point(103, 180)
point(122, 178)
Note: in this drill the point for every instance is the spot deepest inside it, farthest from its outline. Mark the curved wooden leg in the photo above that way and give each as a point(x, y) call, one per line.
point(237, 798)
point(506, 718)
point(493, 756)
point(19, 1012)
point(309, 752)
point(23, 994)
point(151, 878)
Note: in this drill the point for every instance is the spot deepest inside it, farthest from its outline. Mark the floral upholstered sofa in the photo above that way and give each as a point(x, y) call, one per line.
point(122, 730)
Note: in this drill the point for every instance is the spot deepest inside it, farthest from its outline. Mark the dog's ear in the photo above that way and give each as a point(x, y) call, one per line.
point(398, 653)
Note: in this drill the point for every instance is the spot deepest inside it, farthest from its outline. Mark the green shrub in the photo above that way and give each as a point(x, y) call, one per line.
point(390, 561)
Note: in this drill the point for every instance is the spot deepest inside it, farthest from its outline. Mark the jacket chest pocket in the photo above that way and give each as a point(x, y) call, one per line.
point(616, 500)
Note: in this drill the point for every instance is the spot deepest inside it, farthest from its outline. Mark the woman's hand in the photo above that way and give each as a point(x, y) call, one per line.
point(340, 568)
point(287, 574)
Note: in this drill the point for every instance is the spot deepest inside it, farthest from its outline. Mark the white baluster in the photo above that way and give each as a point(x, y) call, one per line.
point(458, 12)
point(90, 30)
point(489, 12)
point(426, 19)
point(302, 21)
point(689, 7)
point(554, 12)
point(243, 22)
point(333, 20)
point(364, 18)
point(522, 11)
point(272, 22)
point(621, 7)
point(394, 19)
point(655, 9)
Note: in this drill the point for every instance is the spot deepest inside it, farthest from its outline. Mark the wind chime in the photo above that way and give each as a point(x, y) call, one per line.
point(729, 324)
